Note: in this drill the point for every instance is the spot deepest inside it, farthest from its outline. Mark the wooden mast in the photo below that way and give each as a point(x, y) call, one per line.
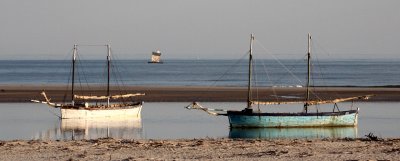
point(108, 74)
point(250, 69)
point(73, 73)
point(308, 74)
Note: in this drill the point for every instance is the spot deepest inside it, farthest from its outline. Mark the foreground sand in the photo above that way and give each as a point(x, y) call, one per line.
point(202, 149)
point(24, 93)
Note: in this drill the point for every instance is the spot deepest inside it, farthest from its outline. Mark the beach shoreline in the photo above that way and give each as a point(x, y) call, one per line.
point(202, 149)
point(26, 92)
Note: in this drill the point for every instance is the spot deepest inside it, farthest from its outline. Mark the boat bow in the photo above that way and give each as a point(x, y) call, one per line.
point(211, 111)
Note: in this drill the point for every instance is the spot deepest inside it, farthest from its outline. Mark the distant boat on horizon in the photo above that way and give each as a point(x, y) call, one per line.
point(155, 57)
point(250, 117)
point(89, 106)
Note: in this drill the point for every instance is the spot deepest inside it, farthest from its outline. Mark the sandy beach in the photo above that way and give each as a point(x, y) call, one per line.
point(202, 149)
point(24, 93)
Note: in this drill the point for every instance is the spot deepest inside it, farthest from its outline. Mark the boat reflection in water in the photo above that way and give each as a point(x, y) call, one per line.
point(272, 133)
point(118, 128)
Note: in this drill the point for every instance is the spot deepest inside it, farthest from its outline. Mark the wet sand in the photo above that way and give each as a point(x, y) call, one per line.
point(202, 149)
point(24, 93)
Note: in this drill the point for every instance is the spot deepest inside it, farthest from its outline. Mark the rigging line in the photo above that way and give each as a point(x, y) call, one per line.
point(79, 72)
point(117, 72)
point(103, 83)
point(282, 63)
point(320, 46)
point(69, 79)
point(255, 81)
point(313, 76)
point(115, 75)
point(230, 69)
point(83, 75)
point(57, 69)
point(313, 87)
point(291, 69)
point(322, 73)
point(83, 67)
point(269, 80)
point(69, 74)
point(124, 86)
point(117, 78)
point(90, 45)
point(290, 72)
point(313, 82)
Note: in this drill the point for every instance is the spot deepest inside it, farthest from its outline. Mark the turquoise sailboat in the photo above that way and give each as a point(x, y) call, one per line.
point(250, 118)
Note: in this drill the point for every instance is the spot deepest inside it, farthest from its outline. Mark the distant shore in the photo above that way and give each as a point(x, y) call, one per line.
point(26, 92)
point(202, 149)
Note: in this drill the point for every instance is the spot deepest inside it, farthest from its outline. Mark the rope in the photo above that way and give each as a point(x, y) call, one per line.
point(229, 69)
point(90, 45)
point(69, 79)
point(320, 66)
point(118, 78)
point(255, 78)
point(273, 56)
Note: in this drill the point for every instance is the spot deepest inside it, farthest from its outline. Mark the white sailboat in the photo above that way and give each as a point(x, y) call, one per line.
point(80, 106)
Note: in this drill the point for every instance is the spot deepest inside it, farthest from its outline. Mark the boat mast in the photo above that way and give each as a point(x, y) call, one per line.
point(308, 73)
point(108, 74)
point(73, 73)
point(250, 65)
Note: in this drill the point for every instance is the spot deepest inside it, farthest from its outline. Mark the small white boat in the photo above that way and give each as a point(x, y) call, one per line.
point(82, 106)
point(155, 57)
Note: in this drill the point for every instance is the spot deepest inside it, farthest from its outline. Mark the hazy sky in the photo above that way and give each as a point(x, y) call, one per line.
point(199, 29)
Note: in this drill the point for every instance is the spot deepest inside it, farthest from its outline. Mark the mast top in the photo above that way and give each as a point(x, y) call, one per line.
point(108, 52)
point(74, 52)
point(250, 70)
point(251, 44)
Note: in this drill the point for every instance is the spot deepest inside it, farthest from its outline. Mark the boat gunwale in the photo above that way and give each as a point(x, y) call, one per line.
point(123, 106)
point(242, 113)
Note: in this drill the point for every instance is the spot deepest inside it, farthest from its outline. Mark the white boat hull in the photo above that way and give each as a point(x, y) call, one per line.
point(131, 111)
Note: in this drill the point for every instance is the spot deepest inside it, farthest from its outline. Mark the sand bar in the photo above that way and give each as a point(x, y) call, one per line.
point(24, 93)
point(202, 149)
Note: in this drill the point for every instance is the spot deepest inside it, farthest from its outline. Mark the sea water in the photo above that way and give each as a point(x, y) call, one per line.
point(204, 72)
point(172, 121)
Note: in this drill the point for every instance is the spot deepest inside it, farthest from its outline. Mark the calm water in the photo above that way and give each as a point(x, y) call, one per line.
point(204, 72)
point(171, 121)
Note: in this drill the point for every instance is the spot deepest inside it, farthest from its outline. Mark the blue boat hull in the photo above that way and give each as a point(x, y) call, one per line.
point(325, 119)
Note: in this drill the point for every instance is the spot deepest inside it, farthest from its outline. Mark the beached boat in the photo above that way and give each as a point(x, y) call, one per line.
point(155, 57)
point(250, 117)
point(84, 106)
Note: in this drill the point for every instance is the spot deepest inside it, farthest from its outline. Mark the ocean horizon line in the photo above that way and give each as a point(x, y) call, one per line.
point(212, 59)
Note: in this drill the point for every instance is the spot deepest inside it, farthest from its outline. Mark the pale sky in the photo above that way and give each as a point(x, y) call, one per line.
point(199, 29)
